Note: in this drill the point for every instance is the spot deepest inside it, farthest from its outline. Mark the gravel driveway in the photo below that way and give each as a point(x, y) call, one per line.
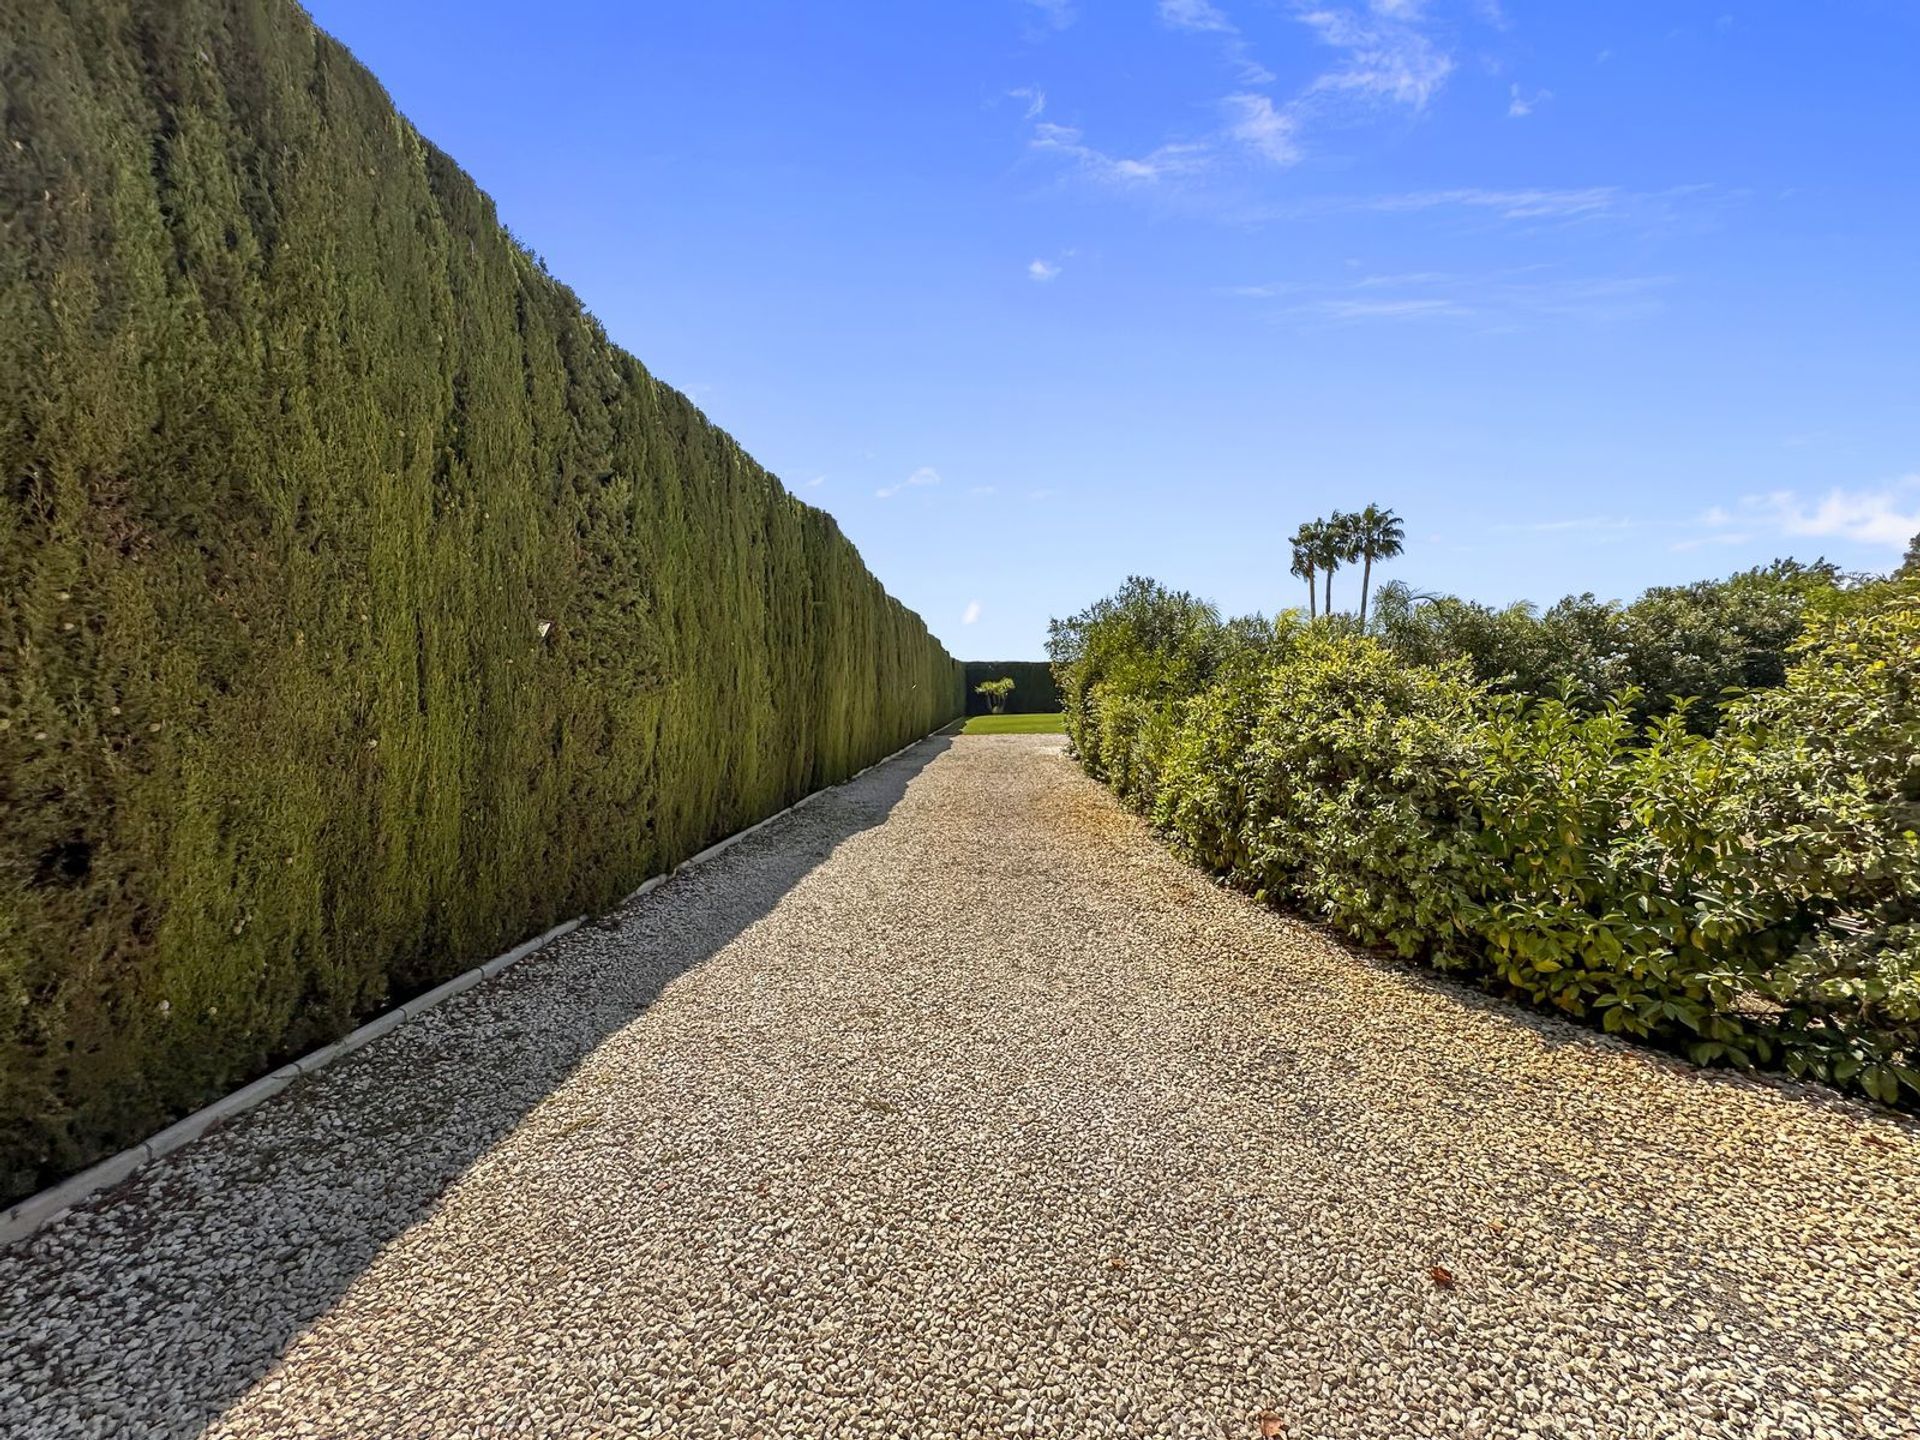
point(952, 1106)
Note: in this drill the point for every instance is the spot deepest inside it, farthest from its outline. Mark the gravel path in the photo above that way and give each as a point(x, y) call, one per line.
point(952, 1106)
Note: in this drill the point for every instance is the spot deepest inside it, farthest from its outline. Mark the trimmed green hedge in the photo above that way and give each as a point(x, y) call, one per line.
point(1751, 897)
point(1034, 692)
point(363, 608)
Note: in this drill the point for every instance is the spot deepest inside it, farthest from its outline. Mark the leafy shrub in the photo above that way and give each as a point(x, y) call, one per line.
point(1826, 783)
point(1749, 896)
point(1693, 642)
point(1349, 805)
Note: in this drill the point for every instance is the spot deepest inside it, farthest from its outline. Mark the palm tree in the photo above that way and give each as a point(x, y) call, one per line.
point(1330, 548)
point(1303, 564)
point(1375, 534)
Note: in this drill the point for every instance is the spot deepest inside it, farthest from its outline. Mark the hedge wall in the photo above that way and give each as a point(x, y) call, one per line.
point(364, 609)
point(1033, 687)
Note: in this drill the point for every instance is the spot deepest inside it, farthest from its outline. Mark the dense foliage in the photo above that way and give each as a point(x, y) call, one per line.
point(1674, 642)
point(1033, 688)
point(1748, 896)
point(363, 608)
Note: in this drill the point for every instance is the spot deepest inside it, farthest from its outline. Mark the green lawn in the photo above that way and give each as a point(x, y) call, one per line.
point(1016, 725)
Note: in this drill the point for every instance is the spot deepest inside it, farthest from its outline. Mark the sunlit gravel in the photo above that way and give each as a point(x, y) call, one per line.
point(952, 1106)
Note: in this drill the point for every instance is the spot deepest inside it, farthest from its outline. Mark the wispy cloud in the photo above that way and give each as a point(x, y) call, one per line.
point(1194, 15)
point(971, 613)
point(1387, 57)
point(925, 475)
point(1269, 133)
point(1208, 19)
point(1168, 160)
point(1035, 98)
point(1501, 300)
point(816, 482)
point(1414, 308)
point(1886, 516)
point(1580, 203)
point(1520, 105)
point(1042, 271)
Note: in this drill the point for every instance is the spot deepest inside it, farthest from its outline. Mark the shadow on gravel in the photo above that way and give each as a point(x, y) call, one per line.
point(153, 1308)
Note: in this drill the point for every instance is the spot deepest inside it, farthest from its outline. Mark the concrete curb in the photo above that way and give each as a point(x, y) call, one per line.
point(26, 1216)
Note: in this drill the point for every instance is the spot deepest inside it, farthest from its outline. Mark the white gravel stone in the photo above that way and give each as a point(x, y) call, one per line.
point(951, 1106)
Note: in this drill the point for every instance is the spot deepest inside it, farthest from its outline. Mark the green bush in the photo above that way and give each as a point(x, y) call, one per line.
point(1747, 897)
point(364, 609)
point(1693, 642)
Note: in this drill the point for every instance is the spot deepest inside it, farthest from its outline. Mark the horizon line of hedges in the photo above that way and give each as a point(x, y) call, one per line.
point(1034, 692)
point(1749, 897)
point(363, 608)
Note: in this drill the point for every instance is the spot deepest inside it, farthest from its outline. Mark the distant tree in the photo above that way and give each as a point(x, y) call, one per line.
point(1911, 565)
point(996, 692)
point(1304, 564)
point(1375, 534)
point(1330, 548)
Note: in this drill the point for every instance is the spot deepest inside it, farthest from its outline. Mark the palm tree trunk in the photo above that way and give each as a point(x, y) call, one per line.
point(1329, 605)
point(1366, 583)
point(1313, 596)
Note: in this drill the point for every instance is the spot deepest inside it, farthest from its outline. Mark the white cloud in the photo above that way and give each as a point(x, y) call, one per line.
point(981, 489)
point(1498, 300)
point(1268, 132)
point(1387, 58)
point(971, 613)
point(1194, 15)
point(1888, 517)
point(1414, 308)
point(1035, 97)
point(816, 482)
point(925, 475)
point(1569, 204)
point(1168, 160)
point(1519, 105)
point(1042, 271)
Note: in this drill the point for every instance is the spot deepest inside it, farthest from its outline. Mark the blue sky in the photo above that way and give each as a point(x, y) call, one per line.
point(1034, 294)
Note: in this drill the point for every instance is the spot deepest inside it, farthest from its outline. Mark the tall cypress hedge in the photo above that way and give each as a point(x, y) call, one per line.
point(363, 609)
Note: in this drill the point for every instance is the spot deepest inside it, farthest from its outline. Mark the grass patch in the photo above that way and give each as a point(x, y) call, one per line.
point(1055, 724)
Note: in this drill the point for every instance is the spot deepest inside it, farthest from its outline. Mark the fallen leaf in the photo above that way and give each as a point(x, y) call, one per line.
point(1116, 1263)
point(1440, 1276)
point(1271, 1425)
